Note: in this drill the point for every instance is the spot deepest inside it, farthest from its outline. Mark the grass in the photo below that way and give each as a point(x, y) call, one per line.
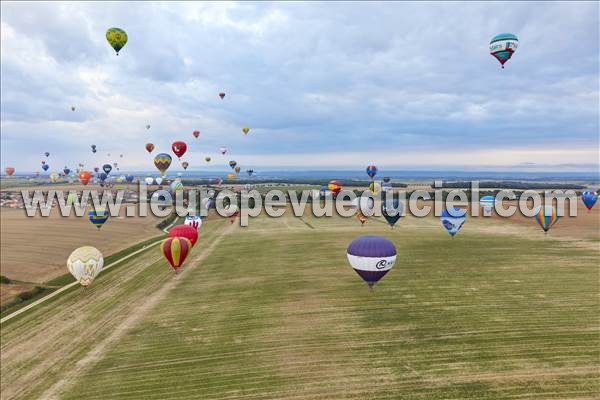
point(274, 311)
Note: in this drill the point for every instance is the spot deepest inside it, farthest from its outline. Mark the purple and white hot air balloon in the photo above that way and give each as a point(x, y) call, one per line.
point(371, 257)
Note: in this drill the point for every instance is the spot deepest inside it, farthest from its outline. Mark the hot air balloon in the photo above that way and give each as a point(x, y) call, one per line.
point(386, 186)
point(487, 203)
point(103, 176)
point(149, 147)
point(196, 134)
point(98, 216)
point(129, 178)
point(176, 250)
point(237, 170)
point(147, 126)
point(66, 170)
point(392, 210)
point(107, 168)
point(223, 150)
point(232, 164)
point(54, 177)
point(96, 169)
point(93, 148)
point(185, 231)
point(334, 187)
point(231, 177)
point(185, 164)
point(361, 217)
point(117, 38)
point(84, 177)
point(149, 180)
point(194, 221)
point(176, 186)
point(179, 148)
point(589, 198)
point(245, 130)
point(249, 172)
point(45, 167)
point(546, 216)
point(503, 46)
point(453, 219)
point(47, 154)
point(207, 159)
point(371, 171)
point(386, 179)
point(85, 263)
point(9, 170)
point(221, 95)
point(371, 257)
point(375, 187)
point(72, 108)
point(162, 162)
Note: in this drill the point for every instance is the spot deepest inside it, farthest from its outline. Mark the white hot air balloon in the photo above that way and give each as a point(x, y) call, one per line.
point(54, 177)
point(193, 221)
point(149, 180)
point(159, 180)
point(371, 257)
point(85, 263)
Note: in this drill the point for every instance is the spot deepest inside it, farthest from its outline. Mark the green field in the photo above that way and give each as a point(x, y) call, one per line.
point(273, 311)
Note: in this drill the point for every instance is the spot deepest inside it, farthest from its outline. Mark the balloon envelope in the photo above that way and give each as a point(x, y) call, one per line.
point(9, 171)
point(392, 210)
point(162, 162)
point(503, 46)
point(371, 171)
point(546, 216)
point(453, 219)
point(179, 148)
point(371, 257)
point(185, 231)
point(194, 221)
point(149, 147)
point(98, 216)
point(176, 250)
point(589, 198)
point(117, 38)
point(85, 263)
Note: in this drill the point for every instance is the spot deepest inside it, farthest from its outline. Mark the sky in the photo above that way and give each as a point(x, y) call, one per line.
point(322, 85)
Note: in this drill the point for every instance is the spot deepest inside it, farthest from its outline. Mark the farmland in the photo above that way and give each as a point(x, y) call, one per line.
point(273, 311)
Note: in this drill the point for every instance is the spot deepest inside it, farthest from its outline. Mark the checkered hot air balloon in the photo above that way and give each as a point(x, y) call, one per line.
point(371, 257)
point(176, 250)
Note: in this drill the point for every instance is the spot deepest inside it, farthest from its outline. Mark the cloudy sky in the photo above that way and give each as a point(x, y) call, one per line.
point(337, 85)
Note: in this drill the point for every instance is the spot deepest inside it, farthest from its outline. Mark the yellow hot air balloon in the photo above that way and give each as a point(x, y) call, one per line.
point(245, 130)
point(54, 177)
point(231, 177)
point(85, 263)
point(117, 38)
point(375, 187)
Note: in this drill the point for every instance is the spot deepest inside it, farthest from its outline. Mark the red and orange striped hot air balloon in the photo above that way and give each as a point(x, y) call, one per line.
point(176, 250)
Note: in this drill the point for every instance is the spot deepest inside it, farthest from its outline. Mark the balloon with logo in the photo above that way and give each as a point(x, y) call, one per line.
point(85, 176)
point(194, 221)
point(162, 162)
point(392, 210)
point(207, 159)
point(487, 203)
point(221, 95)
point(185, 164)
point(107, 168)
point(371, 171)
point(117, 38)
point(185, 231)
point(179, 148)
point(246, 129)
point(453, 219)
point(546, 216)
point(149, 147)
point(159, 180)
point(334, 187)
point(149, 180)
point(223, 150)
point(196, 134)
point(9, 171)
point(98, 216)
point(85, 263)
point(589, 198)
point(237, 170)
point(503, 46)
point(371, 257)
point(176, 250)
point(54, 177)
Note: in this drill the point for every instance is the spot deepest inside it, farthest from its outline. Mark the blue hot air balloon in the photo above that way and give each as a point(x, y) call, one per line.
point(107, 168)
point(453, 219)
point(371, 257)
point(102, 176)
point(129, 178)
point(98, 217)
point(66, 170)
point(45, 167)
point(371, 171)
point(589, 198)
point(487, 203)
